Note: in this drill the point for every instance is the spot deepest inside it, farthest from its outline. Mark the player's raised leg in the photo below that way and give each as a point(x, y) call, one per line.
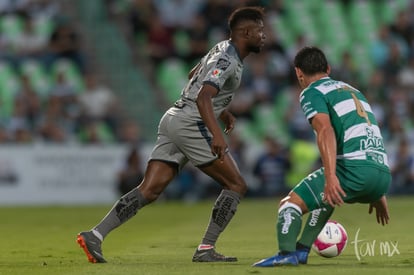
point(157, 176)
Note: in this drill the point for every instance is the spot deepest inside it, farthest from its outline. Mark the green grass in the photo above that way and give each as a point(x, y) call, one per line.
point(162, 237)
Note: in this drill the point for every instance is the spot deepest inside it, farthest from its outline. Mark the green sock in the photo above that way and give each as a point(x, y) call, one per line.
point(314, 224)
point(288, 227)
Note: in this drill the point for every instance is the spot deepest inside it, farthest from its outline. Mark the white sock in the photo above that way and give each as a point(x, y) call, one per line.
point(205, 246)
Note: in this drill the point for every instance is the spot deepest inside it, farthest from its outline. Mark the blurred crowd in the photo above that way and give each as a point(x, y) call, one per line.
point(272, 143)
point(171, 36)
point(183, 30)
point(48, 91)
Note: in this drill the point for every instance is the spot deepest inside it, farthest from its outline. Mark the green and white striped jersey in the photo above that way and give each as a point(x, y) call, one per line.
point(358, 136)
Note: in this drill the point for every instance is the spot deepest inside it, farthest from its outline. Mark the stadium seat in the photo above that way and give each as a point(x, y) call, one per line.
point(387, 10)
point(181, 42)
point(44, 26)
point(172, 75)
point(335, 35)
point(103, 132)
point(38, 77)
point(247, 131)
point(9, 85)
point(11, 26)
point(363, 21)
point(268, 123)
point(281, 28)
point(301, 20)
point(72, 73)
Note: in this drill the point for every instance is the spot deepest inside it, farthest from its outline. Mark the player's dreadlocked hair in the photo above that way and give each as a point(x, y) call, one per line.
point(244, 14)
point(311, 60)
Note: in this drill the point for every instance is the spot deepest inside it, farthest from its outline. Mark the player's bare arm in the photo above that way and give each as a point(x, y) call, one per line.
point(381, 210)
point(205, 107)
point(326, 141)
point(229, 121)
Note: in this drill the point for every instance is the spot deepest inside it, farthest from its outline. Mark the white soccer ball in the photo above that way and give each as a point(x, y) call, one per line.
point(331, 241)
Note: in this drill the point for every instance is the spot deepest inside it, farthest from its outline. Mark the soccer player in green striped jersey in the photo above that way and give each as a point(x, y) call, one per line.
point(355, 165)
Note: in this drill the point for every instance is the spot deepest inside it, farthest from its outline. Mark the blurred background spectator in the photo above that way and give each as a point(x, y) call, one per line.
point(131, 174)
point(402, 168)
point(271, 168)
point(98, 103)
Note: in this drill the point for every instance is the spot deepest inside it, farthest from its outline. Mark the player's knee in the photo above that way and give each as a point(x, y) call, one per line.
point(238, 185)
point(241, 190)
point(288, 204)
point(150, 193)
point(283, 201)
point(294, 199)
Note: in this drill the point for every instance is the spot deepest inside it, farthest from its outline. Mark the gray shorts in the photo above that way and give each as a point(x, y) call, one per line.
point(181, 140)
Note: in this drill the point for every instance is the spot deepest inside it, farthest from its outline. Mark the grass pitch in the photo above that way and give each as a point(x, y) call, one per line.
point(161, 239)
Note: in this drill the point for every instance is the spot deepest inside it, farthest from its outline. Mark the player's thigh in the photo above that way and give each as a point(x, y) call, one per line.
point(165, 150)
point(226, 173)
point(311, 190)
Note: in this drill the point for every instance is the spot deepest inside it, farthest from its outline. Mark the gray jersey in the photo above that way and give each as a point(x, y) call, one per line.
point(222, 68)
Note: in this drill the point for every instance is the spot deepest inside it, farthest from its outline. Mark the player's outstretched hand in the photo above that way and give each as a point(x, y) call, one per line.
point(381, 210)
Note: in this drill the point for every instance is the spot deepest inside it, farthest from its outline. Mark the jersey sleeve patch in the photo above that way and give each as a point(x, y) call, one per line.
point(216, 73)
point(222, 64)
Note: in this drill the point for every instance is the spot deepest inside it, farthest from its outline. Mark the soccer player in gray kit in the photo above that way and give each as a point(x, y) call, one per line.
point(190, 131)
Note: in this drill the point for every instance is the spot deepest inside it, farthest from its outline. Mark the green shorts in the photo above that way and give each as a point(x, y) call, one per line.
point(363, 184)
point(181, 140)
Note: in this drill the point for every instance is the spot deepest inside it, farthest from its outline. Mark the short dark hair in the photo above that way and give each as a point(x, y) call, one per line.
point(311, 60)
point(245, 14)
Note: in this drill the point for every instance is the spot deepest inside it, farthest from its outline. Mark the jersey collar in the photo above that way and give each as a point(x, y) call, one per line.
point(315, 83)
point(237, 50)
point(319, 81)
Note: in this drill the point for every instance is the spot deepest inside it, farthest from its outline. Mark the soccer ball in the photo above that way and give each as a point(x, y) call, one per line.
point(331, 241)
